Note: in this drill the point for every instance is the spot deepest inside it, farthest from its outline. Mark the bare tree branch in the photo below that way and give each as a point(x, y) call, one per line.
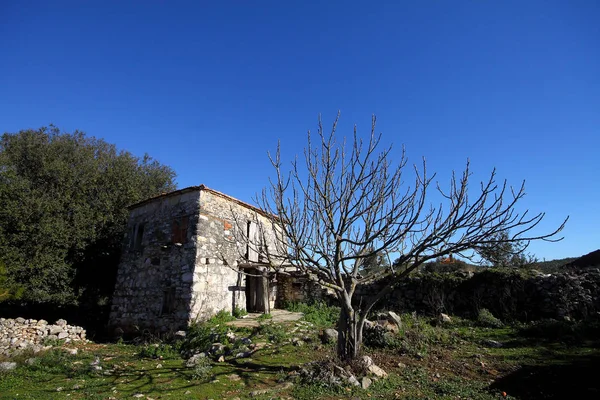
point(347, 202)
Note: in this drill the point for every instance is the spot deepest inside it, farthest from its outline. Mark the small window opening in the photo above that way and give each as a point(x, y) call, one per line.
point(248, 225)
point(138, 236)
point(168, 305)
point(180, 230)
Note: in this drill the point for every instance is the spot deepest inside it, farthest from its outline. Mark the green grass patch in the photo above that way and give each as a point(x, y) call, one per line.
point(264, 317)
point(534, 362)
point(239, 312)
point(318, 313)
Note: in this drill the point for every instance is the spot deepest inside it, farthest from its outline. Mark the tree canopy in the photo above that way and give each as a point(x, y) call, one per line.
point(63, 214)
point(502, 251)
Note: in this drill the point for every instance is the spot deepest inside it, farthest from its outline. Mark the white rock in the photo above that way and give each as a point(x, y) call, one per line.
point(329, 335)
point(365, 382)
point(378, 372)
point(445, 318)
point(367, 361)
point(395, 318)
point(353, 381)
point(7, 366)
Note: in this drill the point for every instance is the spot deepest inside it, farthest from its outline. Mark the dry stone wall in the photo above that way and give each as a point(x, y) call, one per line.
point(509, 295)
point(298, 288)
point(19, 334)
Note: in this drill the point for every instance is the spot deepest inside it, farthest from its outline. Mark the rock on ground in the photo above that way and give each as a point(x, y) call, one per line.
point(7, 366)
point(365, 382)
point(329, 335)
point(445, 318)
point(378, 372)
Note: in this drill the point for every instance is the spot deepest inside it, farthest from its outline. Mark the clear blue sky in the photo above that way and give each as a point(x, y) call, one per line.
point(208, 88)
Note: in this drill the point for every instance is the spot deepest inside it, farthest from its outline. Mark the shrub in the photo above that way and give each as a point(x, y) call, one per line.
point(378, 337)
point(239, 312)
point(273, 332)
point(221, 317)
point(418, 334)
point(201, 336)
point(486, 319)
point(159, 350)
point(52, 341)
point(202, 369)
point(58, 362)
point(264, 317)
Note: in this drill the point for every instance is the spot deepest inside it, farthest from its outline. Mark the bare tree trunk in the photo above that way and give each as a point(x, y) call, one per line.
point(349, 334)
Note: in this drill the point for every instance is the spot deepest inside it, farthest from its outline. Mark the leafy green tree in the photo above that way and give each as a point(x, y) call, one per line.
point(502, 251)
point(63, 214)
point(375, 263)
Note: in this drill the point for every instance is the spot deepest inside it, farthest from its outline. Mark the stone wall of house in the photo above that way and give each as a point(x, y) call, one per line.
point(180, 259)
point(223, 225)
point(509, 295)
point(154, 282)
point(20, 334)
point(292, 288)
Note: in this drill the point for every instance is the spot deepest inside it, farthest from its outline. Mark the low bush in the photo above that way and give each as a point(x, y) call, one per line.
point(239, 312)
point(221, 317)
point(202, 369)
point(201, 336)
point(158, 350)
point(419, 333)
point(487, 320)
point(379, 337)
point(275, 333)
point(264, 317)
point(52, 341)
point(57, 362)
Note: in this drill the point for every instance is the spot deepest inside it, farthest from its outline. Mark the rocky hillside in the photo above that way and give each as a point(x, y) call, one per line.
point(590, 260)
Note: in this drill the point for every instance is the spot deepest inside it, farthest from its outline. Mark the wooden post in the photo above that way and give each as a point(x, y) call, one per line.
point(250, 292)
point(265, 291)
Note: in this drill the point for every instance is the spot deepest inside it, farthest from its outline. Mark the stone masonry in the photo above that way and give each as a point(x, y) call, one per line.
point(20, 334)
point(182, 259)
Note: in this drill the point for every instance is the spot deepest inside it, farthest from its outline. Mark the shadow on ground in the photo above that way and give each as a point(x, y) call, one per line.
point(575, 378)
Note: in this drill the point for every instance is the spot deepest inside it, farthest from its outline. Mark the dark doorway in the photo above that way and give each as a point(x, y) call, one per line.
point(257, 291)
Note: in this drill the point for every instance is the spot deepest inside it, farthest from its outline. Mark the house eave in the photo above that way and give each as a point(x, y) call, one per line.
point(202, 188)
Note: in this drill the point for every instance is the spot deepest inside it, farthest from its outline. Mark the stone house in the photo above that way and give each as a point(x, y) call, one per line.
point(189, 254)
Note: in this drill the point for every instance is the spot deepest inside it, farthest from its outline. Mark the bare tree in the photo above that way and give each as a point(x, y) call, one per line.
point(346, 203)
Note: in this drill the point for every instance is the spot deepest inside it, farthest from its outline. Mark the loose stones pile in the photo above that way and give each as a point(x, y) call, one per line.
point(20, 333)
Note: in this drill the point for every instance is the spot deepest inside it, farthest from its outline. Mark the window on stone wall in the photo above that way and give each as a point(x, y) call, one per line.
point(180, 230)
point(248, 227)
point(137, 235)
point(168, 305)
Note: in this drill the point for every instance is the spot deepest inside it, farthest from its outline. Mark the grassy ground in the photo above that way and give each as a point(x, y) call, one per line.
point(549, 360)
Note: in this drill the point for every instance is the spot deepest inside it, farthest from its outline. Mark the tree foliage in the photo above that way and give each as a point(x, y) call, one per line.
point(502, 251)
point(374, 263)
point(347, 202)
point(63, 213)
